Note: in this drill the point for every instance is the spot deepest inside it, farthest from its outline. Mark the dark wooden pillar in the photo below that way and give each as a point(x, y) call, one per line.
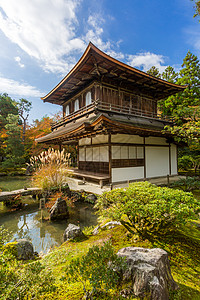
point(64, 111)
point(145, 171)
point(77, 155)
point(110, 156)
point(170, 162)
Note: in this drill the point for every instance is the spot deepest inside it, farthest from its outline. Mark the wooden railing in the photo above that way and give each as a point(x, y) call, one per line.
point(79, 113)
point(108, 107)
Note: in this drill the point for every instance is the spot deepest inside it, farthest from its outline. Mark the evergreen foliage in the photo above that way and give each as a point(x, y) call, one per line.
point(184, 107)
point(170, 75)
point(153, 71)
point(14, 147)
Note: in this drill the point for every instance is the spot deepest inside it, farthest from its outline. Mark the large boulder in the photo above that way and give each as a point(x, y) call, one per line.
point(59, 210)
point(25, 249)
point(71, 232)
point(149, 271)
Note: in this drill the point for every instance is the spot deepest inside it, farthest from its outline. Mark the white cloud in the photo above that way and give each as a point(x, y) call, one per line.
point(94, 34)
point(15, 88)
point(146, 60)
point(18, 60)
point(45, 30)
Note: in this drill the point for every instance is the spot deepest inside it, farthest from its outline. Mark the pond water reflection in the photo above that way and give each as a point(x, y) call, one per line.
point(27, 223)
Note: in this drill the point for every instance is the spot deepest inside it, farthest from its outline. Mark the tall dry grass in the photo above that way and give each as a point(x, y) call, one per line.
point(50, 168)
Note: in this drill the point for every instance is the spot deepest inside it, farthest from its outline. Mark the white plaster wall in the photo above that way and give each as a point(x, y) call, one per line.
point(124, 174)
point(85, 141)
point(155, 140)
point(157, 161)
point(99, 139)
point(174, 159)
point(126, 138)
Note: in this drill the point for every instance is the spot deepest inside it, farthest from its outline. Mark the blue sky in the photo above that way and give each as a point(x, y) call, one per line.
point(41, 40)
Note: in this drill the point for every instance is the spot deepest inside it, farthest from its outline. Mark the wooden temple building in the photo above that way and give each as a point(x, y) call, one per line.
point(110, 113)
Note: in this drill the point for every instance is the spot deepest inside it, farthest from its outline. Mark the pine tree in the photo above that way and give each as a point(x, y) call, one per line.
point(184, 107)
point(14, 146)
point(153, 71)
point(170, 75)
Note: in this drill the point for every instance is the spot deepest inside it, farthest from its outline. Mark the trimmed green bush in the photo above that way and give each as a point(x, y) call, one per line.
point(144, 207)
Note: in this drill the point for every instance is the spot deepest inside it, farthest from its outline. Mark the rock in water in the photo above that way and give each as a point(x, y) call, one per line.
point(149, 271)
point(72, 231)
point(24, 249)
point(59, 210)
point(91, 198)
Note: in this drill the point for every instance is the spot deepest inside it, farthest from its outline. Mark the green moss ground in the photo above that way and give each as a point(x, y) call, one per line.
point(182, 247)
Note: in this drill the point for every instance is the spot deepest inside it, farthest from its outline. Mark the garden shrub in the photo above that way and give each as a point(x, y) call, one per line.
point(145, 208)
point(100, 267)
point(187, 184)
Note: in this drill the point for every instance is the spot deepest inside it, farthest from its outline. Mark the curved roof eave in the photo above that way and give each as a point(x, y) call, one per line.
point(113, 60)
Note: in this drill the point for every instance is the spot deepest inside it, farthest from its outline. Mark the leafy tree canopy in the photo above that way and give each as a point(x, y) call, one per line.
point(7, 106)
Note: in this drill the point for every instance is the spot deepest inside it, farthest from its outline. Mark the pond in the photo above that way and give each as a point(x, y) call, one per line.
point(11, 183)
point(27, 223)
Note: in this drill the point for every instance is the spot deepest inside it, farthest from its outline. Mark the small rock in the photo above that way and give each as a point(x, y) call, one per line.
point(72, 231)
point(111, 224)
point(91, 198)
point(59, 210)
point(81, 182)
point(96, 230)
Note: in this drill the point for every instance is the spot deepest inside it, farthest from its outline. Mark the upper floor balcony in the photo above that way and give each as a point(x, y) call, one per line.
point(101, 106)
